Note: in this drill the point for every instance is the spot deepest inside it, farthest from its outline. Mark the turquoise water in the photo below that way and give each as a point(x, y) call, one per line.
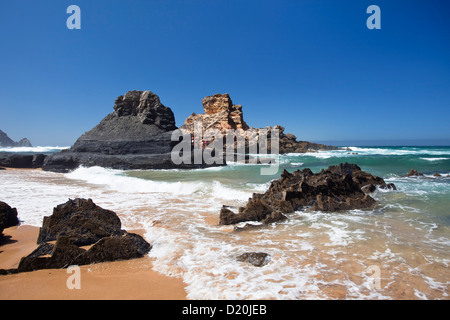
point(429, 194)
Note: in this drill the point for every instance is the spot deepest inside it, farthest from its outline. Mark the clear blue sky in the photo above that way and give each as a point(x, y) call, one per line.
point(310, 65)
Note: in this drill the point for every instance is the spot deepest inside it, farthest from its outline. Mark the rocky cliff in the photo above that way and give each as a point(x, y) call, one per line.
point(6, 141)
point(136, 135)
point(222, 114)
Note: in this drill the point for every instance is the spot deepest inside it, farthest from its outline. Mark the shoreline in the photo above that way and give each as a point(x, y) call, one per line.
point(119, 280)
point(336, 254)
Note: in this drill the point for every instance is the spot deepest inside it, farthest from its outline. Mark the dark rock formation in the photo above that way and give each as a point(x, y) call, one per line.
point(258, 259)
point(77, 223)
point(127, 246)
point(8, 216)
point(414, 173)
point(80, 220)
point(18, 160)
point(6, 141)
point(136, 135)
point(333, 189)
point(65, 253)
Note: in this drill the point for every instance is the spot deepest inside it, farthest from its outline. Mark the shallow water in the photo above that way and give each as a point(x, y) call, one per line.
point(398, 250)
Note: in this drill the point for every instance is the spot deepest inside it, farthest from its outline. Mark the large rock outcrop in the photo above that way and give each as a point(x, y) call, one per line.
point(222, 114)
point(6, 141)
point(333, 189)
point(81, 220)
point(136, 135)
point(79, 223)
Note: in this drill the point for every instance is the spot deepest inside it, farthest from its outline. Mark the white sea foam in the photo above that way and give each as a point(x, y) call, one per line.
point(117, 181)
point(434, 159)
point(358, 151)
point(221, 192)
point(38, 149)
point(399, 151)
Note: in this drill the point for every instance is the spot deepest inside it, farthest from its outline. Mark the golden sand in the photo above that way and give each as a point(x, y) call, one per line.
point(123, 280)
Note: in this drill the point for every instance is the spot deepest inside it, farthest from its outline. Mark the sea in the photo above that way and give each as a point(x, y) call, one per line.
point(400, 249)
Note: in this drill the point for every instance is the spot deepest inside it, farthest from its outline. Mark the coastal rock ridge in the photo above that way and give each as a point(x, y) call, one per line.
point(137, 135)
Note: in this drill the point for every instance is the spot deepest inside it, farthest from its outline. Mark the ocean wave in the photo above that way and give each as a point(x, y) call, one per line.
point(400, 151)
point(378, 151)
point(116, 180)
point(222, 192)
point(38, 149)
point(434, 159)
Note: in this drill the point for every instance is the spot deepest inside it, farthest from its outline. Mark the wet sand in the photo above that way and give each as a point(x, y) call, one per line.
point(123, 280)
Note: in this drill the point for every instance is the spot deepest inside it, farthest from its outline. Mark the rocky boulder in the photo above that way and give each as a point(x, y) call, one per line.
point(80, 220)
point(65, 253)
point(414, 173)
point(8, 216)
point(333, 189)
point(257, 259)
point(78, 223)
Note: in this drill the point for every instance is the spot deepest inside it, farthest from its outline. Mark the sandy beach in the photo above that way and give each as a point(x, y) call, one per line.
point(312, 255)
point(131, 279)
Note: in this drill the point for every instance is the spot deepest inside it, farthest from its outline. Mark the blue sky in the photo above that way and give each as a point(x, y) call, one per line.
point(310, 65)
